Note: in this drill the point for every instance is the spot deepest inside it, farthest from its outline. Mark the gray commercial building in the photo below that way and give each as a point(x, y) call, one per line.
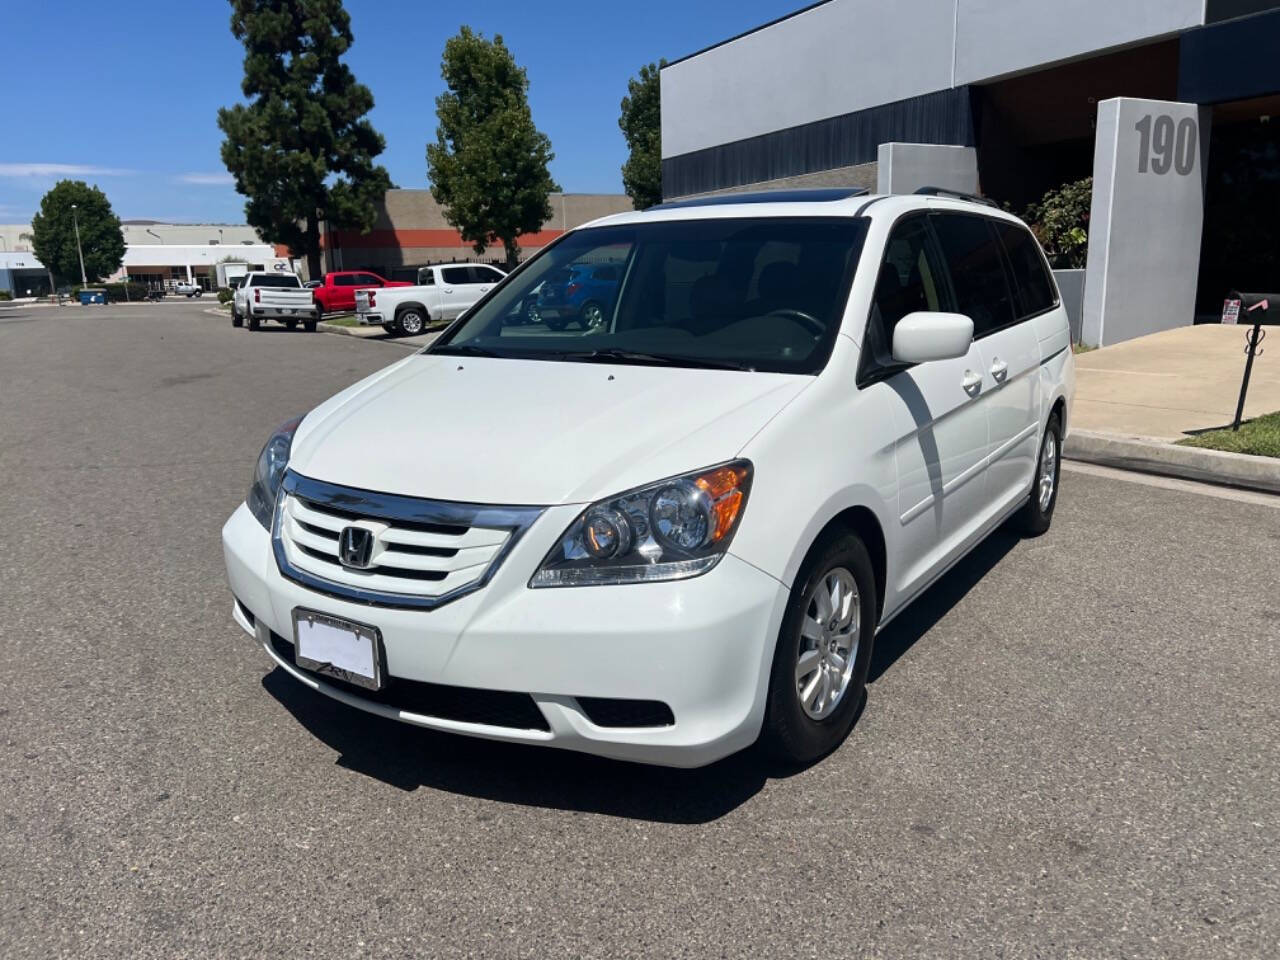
point(1166, 103)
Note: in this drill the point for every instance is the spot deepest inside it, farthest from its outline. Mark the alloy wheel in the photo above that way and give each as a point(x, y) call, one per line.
point(411, 322)
point(828, 642)
point(1048, 469)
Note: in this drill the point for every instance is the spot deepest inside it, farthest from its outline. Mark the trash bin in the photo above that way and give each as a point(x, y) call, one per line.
point(92, 296)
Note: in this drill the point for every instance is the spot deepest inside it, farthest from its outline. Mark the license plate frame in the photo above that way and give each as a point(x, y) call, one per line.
point(364, 638)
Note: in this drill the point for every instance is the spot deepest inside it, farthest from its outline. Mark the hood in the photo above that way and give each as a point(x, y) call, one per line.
point(517, 432)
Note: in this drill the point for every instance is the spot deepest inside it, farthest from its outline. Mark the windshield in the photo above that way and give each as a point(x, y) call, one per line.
point(276, 280)
point(754, 294)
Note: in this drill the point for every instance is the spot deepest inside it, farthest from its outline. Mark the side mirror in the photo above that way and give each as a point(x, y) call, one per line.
point(923, 336)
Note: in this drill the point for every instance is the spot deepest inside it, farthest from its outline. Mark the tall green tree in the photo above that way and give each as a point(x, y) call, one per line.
point(53, 232)
point(641, 123)
point(301, 150)
point(489, 164)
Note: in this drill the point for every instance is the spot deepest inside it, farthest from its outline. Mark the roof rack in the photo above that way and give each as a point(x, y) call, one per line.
point(956, 195)
point(813, 195)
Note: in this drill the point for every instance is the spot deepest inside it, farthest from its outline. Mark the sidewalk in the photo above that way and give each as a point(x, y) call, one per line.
point(1172, 383)
point(1134, 400)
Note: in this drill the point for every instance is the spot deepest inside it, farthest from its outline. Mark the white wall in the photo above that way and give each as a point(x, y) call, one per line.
point(905, 167)
point(841, 56)
point(848, 55)
point(1145, 221)
point(998, 37)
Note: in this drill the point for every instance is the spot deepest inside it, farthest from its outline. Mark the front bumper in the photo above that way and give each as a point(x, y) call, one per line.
point(702, 646)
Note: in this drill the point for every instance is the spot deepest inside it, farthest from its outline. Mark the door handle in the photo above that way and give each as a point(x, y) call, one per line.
point(972, 382)
point(999, 370)
point(448, 289)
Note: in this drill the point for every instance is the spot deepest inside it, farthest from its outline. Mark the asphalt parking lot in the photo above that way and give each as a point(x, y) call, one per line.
point(1069, 746)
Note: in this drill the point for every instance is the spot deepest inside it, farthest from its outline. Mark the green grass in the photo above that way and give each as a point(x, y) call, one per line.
point(1259, 437)
point(346, 320)
point(1081, 348)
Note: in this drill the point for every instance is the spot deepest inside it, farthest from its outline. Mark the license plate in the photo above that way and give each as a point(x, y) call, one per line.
point(338, 648)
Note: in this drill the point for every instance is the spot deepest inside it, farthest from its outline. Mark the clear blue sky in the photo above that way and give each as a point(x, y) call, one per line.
point(149, 76)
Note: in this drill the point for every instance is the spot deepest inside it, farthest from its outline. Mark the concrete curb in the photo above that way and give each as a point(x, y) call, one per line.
point(1147, 455)
point(348, 331)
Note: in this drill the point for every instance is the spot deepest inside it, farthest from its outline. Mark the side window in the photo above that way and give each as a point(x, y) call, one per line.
point(345, 280)
point(977, 274)
point(489, 275)
point(910, 279)
point(1033, 287)
point(455, 275)
point(428, 278)
point(369, 280)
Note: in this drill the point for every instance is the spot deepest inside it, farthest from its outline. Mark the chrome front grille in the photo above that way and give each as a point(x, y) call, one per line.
point(422, 552)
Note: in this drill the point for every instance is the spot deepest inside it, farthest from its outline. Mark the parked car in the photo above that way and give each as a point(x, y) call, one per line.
point(267, 295)
point(682, 532)
point(189, 290)
point(445, 293)
point(337, 293)
point(583, 293)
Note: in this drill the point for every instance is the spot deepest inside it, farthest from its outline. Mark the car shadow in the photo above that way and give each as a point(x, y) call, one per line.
point(409, 757)
point(931, 606)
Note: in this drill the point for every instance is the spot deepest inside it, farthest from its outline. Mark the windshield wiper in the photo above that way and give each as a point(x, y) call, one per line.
point(465, 350)
point(615, 355)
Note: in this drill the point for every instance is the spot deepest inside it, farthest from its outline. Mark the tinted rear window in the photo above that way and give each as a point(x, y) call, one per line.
point(276, 280)
point(977, 273)
point(1032, 285)
point(455, 275)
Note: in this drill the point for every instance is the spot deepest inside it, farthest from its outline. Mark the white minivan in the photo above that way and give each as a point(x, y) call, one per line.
point(667, 535)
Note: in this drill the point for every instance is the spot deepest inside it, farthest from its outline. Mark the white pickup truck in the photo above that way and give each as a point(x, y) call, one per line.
point(443, 292)
point(267, 295)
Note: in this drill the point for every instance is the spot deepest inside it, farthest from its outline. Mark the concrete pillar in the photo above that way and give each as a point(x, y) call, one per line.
point(905, 167)
point(1146, 218)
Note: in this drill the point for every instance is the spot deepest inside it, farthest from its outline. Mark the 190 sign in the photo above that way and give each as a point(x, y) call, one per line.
point(1164, 146)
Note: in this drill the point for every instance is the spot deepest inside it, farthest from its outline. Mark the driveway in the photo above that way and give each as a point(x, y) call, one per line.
point(1068, 748)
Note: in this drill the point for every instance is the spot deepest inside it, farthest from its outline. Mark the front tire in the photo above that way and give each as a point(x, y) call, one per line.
point(1037, 513)
point(819, 674)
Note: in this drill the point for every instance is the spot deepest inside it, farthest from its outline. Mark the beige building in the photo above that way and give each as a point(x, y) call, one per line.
point(411, 230)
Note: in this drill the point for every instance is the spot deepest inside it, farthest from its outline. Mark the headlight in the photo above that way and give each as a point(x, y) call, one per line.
point(268, 473)
point(669, 530)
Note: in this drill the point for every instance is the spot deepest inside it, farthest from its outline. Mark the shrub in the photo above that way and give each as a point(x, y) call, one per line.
point(1061, 222)
point(225, 294)
point(5, 295)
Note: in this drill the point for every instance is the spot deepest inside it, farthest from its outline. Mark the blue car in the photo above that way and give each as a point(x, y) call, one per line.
point(583, 293)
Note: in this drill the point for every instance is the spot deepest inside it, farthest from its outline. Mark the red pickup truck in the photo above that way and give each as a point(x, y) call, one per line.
point(337, 294)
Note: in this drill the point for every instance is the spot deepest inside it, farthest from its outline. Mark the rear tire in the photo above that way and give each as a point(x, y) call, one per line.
point(591, 315)
point(410, 322)
point(254, 322)
point(291, 324)
point(1037, 514)
point(236, 319)
point(309, 326)
point(557, 324)
point(819, 675)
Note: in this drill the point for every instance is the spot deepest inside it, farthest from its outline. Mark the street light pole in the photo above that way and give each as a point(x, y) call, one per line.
point(84, 280)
